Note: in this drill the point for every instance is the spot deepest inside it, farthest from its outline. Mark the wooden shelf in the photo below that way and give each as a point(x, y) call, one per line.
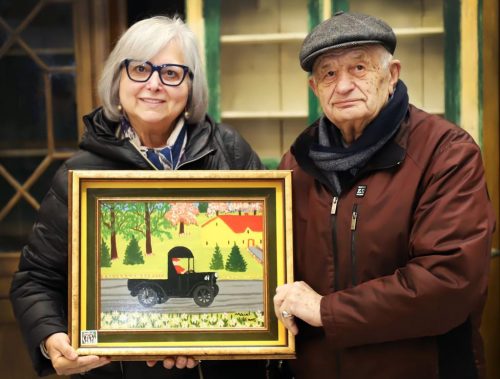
point(419, 32)
point(241, 39)
point(298, 37)
point(276, 115)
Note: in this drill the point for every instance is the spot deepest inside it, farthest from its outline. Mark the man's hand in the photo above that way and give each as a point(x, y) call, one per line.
point(66, 361)
point(297, 300)
point(179, 362)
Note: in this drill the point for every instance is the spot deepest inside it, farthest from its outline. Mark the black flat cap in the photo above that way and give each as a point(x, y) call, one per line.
point(345, 30)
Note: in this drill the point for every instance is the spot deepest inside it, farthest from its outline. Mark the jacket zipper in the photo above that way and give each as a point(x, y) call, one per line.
point(333, 213)
point(195, 159)
point(146, 159)
point(333, 217)
point(354, 223)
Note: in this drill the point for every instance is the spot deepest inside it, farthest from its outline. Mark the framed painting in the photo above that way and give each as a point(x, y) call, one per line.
point(168, 263)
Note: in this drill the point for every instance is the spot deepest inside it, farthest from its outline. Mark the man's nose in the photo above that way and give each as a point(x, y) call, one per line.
point(345, 82)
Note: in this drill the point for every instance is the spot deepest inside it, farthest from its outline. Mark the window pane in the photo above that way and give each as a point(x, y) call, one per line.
point(15, 11)
point(22, 124)
point(64, 110)
point(50, 35)
point(17, 223)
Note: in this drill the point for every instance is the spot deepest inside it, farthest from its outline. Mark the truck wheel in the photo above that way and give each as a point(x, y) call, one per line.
point(203, 296)
point(147, 296)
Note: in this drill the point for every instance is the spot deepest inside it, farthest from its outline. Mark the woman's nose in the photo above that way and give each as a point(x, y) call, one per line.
point(154, 82)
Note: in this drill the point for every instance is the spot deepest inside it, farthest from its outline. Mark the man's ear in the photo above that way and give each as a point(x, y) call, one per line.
point(394, 70)
point(313, 85)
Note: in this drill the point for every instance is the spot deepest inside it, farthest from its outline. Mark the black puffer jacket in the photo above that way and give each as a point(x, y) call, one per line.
point(39, 289)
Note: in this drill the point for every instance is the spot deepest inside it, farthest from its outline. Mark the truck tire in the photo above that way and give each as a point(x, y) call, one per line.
point(203, 295)
point(148, 296)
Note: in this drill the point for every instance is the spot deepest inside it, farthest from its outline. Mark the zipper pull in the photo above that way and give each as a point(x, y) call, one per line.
point(354, 218)
point(334, 205)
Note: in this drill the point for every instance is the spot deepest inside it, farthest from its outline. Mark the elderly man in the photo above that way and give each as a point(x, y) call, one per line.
point(392, 222)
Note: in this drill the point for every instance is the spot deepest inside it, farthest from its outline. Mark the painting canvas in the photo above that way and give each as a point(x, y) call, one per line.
point(168, 263)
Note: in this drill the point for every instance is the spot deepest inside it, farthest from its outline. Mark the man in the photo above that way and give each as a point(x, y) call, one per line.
point(392, 222)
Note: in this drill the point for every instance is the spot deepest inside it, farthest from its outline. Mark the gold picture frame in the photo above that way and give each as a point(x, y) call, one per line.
point(167, 263)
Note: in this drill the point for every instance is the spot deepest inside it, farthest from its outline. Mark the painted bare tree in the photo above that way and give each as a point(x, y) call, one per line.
point(145, 220)
point(112, 220)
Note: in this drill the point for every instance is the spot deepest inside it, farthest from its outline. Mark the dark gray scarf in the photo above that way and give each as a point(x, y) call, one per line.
point(338, 162)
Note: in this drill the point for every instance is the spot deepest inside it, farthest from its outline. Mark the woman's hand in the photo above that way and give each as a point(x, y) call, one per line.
point(179, 362)
point(66, 361)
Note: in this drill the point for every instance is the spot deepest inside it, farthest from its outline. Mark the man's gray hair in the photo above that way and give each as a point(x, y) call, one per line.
point(144, 40)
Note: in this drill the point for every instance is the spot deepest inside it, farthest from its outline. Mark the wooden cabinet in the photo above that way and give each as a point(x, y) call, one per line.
point(258, 86)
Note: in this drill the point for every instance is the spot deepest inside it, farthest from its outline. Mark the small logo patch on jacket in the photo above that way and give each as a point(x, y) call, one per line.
point(361, 190)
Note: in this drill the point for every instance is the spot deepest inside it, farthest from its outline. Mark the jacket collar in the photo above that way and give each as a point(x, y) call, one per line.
point(390, 156)
point(100, 137)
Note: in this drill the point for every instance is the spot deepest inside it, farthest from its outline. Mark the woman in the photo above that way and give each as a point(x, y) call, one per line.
point(153, 117)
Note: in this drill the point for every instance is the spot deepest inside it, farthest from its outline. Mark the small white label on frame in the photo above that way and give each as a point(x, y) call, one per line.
point(88, 337)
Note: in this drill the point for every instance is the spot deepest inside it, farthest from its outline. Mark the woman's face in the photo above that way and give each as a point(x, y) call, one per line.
point(152, 107)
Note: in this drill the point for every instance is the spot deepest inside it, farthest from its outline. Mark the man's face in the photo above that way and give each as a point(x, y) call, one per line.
point(354, 84)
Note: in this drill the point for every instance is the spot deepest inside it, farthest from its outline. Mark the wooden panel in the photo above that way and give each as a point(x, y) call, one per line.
point(260, 17)
point(293, 80)
point(250, 77)
point(491, 152)
point(490, 328)
point(433, 75)
point(421, 55)
point(263, 135)
point(83, 57)
point(260, 71)
point(491, 106)
point(469, 106)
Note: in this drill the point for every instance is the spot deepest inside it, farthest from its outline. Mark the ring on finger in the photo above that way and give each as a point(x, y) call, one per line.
point(286, 314)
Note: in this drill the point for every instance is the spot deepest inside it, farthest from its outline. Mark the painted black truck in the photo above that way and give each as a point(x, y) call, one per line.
point(201, 286)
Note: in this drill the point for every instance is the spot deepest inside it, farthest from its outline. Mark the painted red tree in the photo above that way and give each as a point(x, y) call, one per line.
point(182, 214)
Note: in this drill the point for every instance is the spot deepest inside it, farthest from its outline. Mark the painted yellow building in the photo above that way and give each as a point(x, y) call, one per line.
point(245, 231)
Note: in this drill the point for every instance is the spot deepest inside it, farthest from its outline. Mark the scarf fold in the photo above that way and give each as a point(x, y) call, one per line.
point(163, 158)
point(338, 162)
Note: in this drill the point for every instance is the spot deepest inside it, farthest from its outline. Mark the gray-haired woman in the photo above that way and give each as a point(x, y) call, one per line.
point(154, 97)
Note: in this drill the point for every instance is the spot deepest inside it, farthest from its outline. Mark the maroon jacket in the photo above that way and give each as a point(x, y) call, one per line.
point(402, 261)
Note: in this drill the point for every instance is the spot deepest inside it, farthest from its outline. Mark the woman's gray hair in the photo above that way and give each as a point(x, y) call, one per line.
point(144, 40)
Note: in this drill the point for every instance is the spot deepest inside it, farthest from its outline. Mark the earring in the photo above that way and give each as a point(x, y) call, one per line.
point(187, 115)
point(120, 108)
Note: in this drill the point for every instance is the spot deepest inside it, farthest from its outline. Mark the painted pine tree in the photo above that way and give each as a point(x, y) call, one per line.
point(105, 255)
point(235, 261)
point(133, 253)
point(217, 262)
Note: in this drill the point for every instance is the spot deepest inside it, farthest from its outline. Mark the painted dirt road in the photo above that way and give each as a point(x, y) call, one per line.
point(234, 296)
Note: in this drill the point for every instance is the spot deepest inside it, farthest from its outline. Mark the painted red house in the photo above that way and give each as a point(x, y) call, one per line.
point(226, 230)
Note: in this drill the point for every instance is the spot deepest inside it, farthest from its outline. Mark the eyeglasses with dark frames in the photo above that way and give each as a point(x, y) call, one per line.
point(170, 74)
